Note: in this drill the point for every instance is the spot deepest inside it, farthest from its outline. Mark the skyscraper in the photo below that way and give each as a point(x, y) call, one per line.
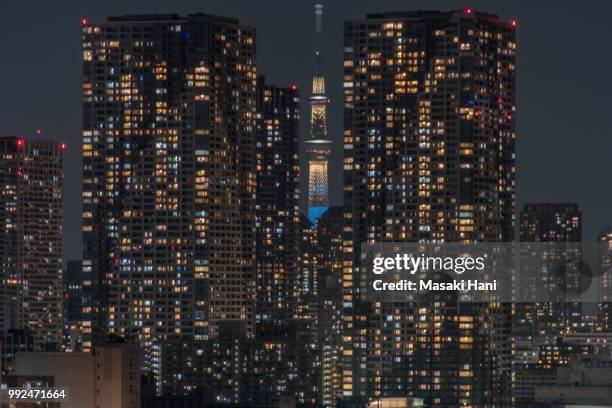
point(318, 148)
point(283, 359)
point(309, 268)
point(560, 226)
point(429, 156)
point(329, 276)
point(551, 222)
point(278, 216)
point(247, 372)
point(169, 176)
point(605, 297)
point(31, 209)
point(74, 301)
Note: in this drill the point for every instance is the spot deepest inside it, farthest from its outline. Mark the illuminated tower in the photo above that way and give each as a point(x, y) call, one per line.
point(318, 147)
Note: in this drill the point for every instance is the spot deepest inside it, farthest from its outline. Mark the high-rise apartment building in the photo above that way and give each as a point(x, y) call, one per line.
point(329, 237)
point(329, 318)
point(31, 215)
point(308, 284)
point(605, 265)
point(559, 226)
point(246, 372)
point(169, 115)
point(73, 287)
point(74, 301)
point(11, 343)
point(318, 147)
point(551, 222)
point(278, 213)
point(429, 156)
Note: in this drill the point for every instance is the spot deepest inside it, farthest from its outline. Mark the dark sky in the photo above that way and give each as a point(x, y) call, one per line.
point(564, 87)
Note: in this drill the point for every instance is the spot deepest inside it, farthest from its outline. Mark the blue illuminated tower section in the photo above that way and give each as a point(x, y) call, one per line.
point(318, 148)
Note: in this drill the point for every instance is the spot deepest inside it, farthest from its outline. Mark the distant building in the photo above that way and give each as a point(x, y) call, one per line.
point(559, 226)
point(329, 275)
point(527, 379)
point(584, 381)
point(73, 288)
point(117, 376)
point(605, 298)
point(329, 237)
point(246, 372)
point(308, 283)
point(12, 342)
point(396, 402)
point(547, 381)
point(31, 216)
point(277, 206)
point(109, 378)
point(198, 401)
point(600, 341)
point(560, 353)
point(551, 222)
point(74, 302)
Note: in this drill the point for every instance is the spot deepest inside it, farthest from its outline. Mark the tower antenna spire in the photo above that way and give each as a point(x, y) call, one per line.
point(318, 7)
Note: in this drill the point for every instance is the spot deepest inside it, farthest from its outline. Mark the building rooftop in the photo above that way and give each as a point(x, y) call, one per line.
point(142, 18)
point(434, 15)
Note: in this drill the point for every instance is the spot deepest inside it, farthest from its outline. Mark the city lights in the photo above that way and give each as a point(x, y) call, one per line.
point(222, 247)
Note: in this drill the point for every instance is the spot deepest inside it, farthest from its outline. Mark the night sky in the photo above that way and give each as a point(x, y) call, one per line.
point(563, 84)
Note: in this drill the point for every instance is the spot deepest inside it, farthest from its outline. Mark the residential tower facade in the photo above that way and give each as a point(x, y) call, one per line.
point(429, 156)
